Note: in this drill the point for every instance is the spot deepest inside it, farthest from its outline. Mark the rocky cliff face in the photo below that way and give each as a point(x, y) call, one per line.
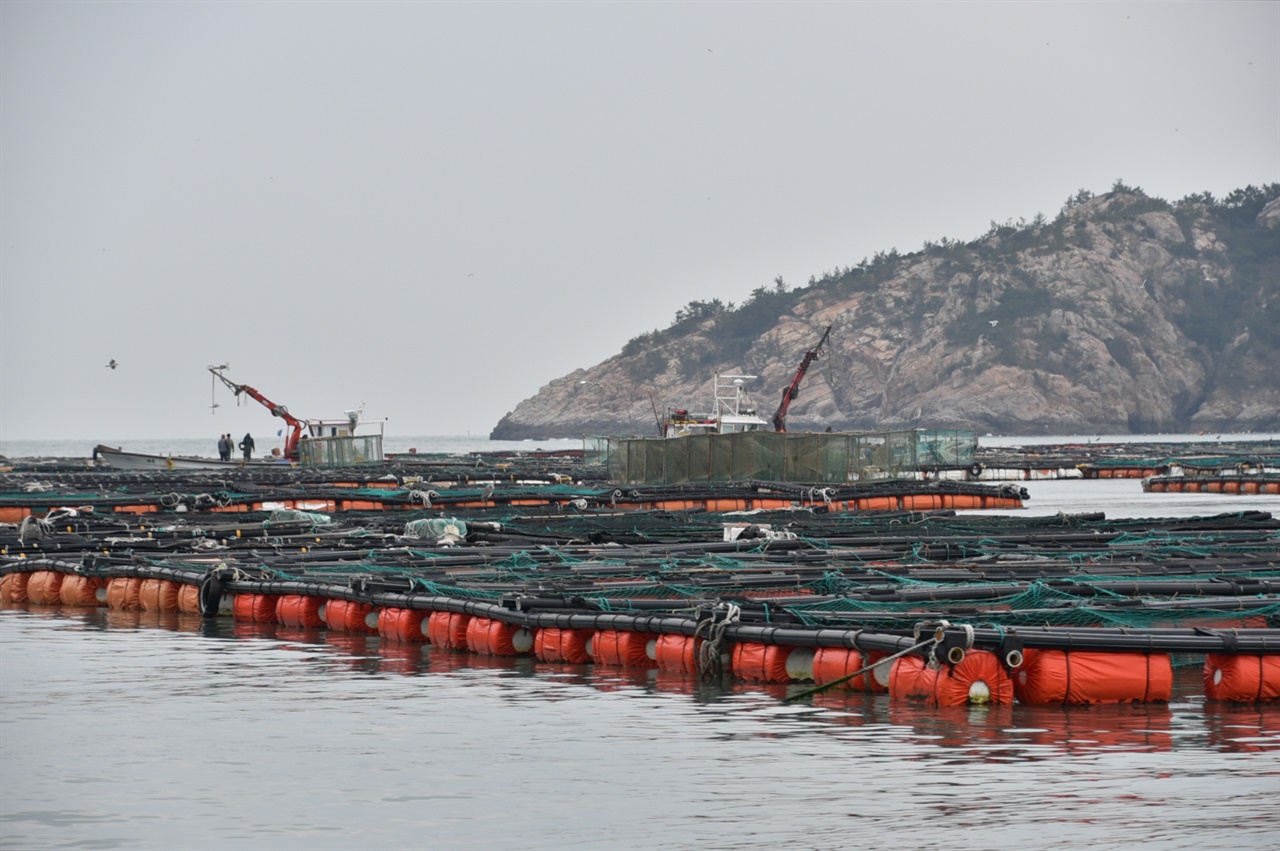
point(1125, 313)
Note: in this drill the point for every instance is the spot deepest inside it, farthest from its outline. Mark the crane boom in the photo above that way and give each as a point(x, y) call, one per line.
point(296, 425)
point(793, 389)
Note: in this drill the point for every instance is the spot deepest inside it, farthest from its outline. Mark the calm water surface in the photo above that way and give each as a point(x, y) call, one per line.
point(137, 730)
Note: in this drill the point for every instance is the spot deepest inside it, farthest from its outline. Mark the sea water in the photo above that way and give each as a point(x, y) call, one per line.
point(142, 730)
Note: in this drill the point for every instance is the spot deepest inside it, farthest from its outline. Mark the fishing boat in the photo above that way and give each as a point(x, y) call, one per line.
point(309, 442)
point(114, 456)
point(732, 412)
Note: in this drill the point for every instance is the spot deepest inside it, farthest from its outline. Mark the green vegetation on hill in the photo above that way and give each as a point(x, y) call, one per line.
point(1212, 311)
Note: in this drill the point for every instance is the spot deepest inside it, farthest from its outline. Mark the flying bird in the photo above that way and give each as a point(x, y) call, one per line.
point(112, 364)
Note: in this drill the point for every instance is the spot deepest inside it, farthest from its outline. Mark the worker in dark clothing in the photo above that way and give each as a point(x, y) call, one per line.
point(224, 448)
point(246, 446)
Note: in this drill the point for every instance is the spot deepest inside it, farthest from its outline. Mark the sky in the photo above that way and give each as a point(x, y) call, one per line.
point(433, 209)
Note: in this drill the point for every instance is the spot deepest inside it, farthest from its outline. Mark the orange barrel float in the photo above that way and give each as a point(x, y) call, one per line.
point(254, 608)
point(300, 610)
point(448, 629)
point(834, 663)
point(771, 663)
point(402, 624)
point(44, 588)
point(122, 593)
point(350, 616)
point(15, 515)
point(677, 653)
point(562, 645)
point(1241, 678)
point(158, 595)
point(87, 591)
point(497, 638)
point(1077, 676)
point(979, 678)
point(189, 599)
point(13, 587)
point(623, 647)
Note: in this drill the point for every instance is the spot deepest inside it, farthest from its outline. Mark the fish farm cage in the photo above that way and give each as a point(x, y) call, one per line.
point(814, 587)
point(826, 458)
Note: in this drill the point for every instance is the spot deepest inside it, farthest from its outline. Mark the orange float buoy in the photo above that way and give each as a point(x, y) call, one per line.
point(562, 645)
point(158, 595)
point(833, 663)
point(254, 608)
point(1241, 678)
point(300, 610)
point(86, 591)
point(44, 588)
point(189, 599)
point(402, 624)
point(979, 678)
point(497, 638)
point(1076, 676)
point(677, 653)
point(771, 663)
point(15, 515)
point(13, 587)
point(349, 616)
point(448, 629)
point(911, 678)
point(624, 648)
point(122, 593)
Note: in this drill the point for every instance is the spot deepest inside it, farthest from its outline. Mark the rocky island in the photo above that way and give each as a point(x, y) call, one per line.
point(1124, 313)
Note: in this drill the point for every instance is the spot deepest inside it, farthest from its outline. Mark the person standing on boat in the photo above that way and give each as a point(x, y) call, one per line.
point(224, 451)
point(246, 446)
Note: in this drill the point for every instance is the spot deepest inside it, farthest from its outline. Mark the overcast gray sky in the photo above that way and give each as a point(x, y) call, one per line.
point(435, 208)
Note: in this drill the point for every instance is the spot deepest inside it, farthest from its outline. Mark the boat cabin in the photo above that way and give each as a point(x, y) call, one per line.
point(732, 412)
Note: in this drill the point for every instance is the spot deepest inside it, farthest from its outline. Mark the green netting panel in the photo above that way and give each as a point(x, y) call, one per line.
point(636, 462)
point(655, 456)
point(802, 458)
point(835, 452)
point(617, 460)
point(945, 447)
point(699, 458)
point(676, 462)
point(787, 457)
point(595, 450)
point(757, 455)
point(721, 458)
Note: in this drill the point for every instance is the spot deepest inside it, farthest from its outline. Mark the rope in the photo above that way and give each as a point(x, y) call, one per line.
point(819, 689)
point(33, 527)
point(710, 663)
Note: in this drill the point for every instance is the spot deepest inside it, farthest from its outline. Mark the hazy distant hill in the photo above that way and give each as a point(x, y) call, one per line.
point(1124, 313)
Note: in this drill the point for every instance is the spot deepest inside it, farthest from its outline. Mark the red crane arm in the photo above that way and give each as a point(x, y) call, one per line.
point(793, 389)
point(296, 425)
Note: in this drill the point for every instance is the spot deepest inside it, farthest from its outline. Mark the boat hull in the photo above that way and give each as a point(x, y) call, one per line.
point(122, 460)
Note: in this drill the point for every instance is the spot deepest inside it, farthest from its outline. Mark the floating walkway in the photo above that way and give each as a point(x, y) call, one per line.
point(758, 582)
point(1247, 483)
point(1124, 460)
point(406, 489)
